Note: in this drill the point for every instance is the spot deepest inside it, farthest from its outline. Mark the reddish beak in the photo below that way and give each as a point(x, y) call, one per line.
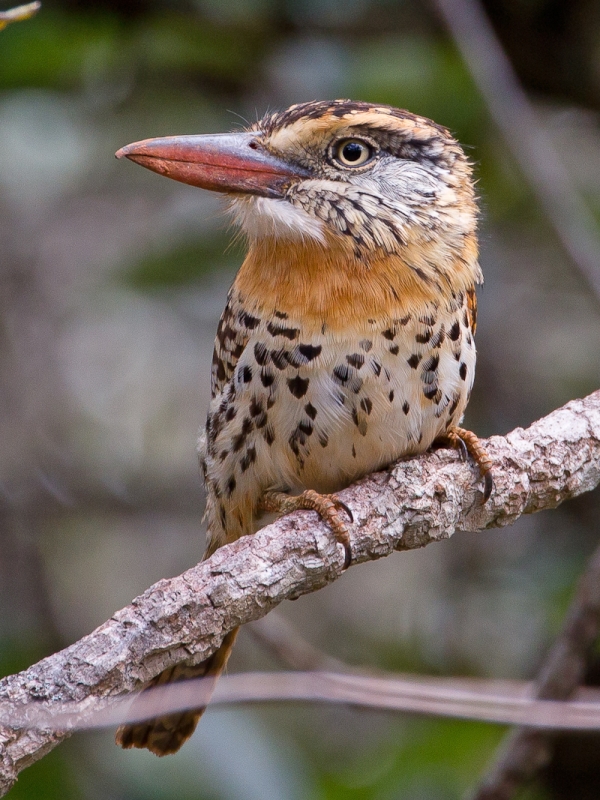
point(223, 162)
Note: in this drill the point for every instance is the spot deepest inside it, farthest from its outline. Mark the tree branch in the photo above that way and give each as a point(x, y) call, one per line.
point(417, 502)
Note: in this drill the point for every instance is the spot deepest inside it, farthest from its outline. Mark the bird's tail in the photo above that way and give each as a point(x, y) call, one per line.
point(165, 735)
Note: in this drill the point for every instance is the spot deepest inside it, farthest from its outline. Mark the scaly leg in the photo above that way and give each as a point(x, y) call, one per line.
point(327, 507)
point(464, 440)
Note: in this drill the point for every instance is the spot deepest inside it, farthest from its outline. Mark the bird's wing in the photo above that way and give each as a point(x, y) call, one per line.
point(234, 331)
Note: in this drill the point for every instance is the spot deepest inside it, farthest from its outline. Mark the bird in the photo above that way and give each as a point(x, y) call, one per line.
point(347, 339)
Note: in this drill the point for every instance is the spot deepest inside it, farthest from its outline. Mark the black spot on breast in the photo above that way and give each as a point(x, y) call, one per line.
point(341, 373)
point(466, 319)
point(391, 396)
point(394, 349)
point(261, 420)
point(366, 404)
point(280, 330)
point(279, 358)
point(248, 320)
point(310, 410)
point(427, 319)
point(230, 488)
point(261, 354)
point(413, 361)
point(388, 334)
point(305, 427)
point(240, 438)
point(365, 344)
point(356, 360)
point(454, 406)
point(309, 351)
point(281, 315)
point(249, 458)
point(323, 439)
point(298, 386)
point(269, 435)
point(295, 358)
point(463, 370)
point(223, 455)
point(376, 367)
point(256, 407)
point(431, 364)
point(454, 332)
point(246, 374)
point(422, 338)
point(353, 451)
point(405, 320)
point(294, 443)
point(405, 407)
point(347, 376)
point(295, 440)
point(230, 413)
point(266, 378)
point(439, 337)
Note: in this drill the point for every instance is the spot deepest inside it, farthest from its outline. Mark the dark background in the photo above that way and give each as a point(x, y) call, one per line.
point(112, 282)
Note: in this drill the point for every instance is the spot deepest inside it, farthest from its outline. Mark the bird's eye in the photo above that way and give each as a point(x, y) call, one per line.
point(353, 152)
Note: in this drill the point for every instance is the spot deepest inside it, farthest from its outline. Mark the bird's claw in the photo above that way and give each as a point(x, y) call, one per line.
point(467, 443)
point(340, 504)
point(488, 486)
point(327, 507)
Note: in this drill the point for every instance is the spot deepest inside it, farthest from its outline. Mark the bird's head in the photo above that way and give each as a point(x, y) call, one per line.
point(367, 181)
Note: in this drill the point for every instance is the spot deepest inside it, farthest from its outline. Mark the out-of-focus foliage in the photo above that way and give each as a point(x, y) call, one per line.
point(112, 284)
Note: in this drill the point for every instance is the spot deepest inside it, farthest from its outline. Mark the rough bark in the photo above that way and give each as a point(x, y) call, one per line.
point(417, 502)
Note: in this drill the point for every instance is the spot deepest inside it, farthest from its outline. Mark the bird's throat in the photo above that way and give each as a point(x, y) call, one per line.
point(335, 285)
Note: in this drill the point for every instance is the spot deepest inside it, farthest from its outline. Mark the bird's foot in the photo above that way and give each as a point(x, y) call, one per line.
point(468, 443)
point(327, 506)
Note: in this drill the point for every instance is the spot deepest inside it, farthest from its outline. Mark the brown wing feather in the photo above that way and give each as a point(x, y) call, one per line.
point(233, 333)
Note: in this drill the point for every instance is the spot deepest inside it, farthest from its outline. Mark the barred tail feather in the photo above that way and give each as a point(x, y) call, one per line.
point(165, 735)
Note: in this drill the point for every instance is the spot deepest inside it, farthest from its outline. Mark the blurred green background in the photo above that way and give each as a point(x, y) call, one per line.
point(112, 284)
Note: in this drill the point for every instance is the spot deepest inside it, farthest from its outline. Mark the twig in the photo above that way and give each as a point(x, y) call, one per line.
point(525, 136)
point(504, 702)
point(525, 751)
point(419, 501)
point(18, 13)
